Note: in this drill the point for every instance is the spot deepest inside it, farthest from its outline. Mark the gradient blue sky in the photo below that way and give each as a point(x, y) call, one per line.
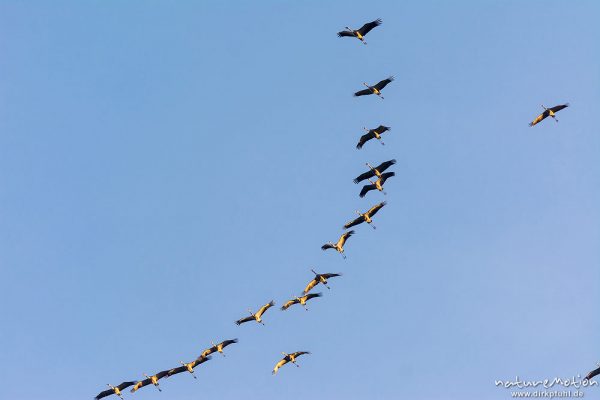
point(166, 165)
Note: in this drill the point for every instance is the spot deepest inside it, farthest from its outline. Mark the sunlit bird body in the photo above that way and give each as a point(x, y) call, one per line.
point(300, 300)
point(339, 246)
point(372, 134)
point(319, 278)
point(150, 380)
point(288, 358)
point(374, 171)
point(375, 89)
point(378, 184)
point(217, 348)
point(256, 316)
point(548, 112)
point(360, 33)
point(189, 367)
point(366, 217)
point(115, 389)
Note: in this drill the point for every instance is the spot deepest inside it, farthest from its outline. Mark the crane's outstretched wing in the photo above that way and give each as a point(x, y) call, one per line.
point(121, 386)
point(357, 221)
point(370, 173)
point(382, 128)
point(385, 165)
point(177, 370)
point(330, 275)
point(313, 295)
point(327, 246)
point(373, 210)
point(310, 285)
point(366, 28)
point(592, 374)
point(363, 92)
point(299, 353)
point(559, 107)
point(366, 189)
point(201, 360)
point(288, 304)
point(385, 176)
point(345, 237)
point(226, 343)
point(140, 384)
point(364, 139)
point(208, 351)
point(126, 384)
point(162, 374)
point(104, 394)
point(279, 365)
point(539, 118)
point(243, 320)
point(346, 33)
point(381, 84)
point(264, 308)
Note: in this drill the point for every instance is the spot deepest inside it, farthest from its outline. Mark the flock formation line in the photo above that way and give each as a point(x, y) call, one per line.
point(380, 176)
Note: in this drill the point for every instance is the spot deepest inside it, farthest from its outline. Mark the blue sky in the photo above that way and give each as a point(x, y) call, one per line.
point(166, 165)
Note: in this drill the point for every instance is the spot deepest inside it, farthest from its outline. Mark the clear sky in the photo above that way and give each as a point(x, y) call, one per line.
point(166, 165)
